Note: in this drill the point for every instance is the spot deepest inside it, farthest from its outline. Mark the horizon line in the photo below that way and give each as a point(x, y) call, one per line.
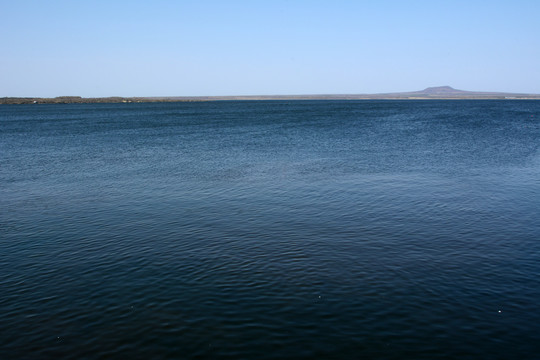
point(437, 92)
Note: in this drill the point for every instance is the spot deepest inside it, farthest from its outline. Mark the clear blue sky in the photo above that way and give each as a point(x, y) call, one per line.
point(182, 48)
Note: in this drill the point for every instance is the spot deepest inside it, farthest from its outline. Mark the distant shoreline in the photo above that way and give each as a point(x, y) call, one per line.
point(81, 100)
point(23, 101)
point(432, 93)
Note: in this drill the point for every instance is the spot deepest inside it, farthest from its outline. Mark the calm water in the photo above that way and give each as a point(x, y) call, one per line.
point(265, 230)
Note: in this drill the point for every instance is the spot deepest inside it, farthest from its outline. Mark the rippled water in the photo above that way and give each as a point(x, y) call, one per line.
point(264, 230)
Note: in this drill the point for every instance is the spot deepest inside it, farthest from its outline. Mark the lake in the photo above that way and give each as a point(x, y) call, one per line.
point(270, 229)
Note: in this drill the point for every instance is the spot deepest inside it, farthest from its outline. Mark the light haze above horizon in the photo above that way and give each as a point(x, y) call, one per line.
point(218, 48)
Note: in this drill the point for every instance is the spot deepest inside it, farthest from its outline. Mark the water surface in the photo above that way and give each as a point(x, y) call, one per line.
point(270, 229)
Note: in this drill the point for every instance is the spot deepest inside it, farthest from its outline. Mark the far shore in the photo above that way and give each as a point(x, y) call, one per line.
point(431, 93)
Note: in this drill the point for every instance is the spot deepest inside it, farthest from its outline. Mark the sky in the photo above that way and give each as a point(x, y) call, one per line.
point(210, 48)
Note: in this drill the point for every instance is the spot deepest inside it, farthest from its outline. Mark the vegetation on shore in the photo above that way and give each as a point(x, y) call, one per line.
point(81, 100)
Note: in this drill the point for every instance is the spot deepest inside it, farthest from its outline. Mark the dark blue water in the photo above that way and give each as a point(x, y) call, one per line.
point(265, 230)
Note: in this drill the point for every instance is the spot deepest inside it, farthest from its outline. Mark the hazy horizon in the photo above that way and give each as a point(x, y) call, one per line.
point(241, 48)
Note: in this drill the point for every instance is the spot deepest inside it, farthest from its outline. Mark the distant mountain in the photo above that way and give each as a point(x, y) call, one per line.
point(443, 90)
point(448, 92)
point(437, 92)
